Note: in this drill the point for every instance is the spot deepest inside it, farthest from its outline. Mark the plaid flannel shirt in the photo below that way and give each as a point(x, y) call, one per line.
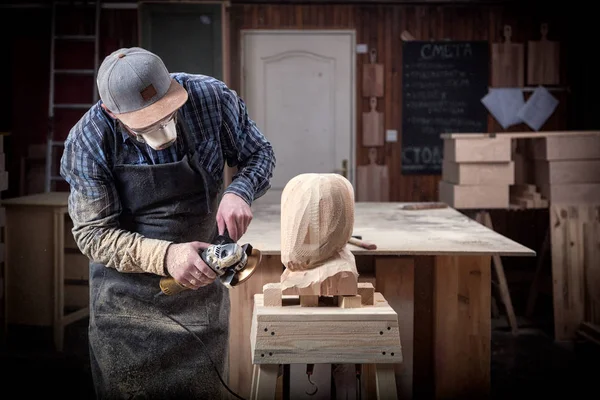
point(220, 128)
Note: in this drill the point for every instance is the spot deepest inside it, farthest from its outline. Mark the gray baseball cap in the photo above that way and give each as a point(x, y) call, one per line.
point(135, 85)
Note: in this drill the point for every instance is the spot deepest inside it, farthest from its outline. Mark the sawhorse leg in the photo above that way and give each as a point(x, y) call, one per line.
point(484, 218)
point(385, 381)
point(264, 382)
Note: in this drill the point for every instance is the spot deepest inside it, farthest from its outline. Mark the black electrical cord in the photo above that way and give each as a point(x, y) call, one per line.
point(203, 346)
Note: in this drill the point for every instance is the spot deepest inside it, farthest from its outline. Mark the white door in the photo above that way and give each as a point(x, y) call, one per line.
point(299, 89)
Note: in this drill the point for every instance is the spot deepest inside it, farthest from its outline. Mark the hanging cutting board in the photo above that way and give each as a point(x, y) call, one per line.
point(372, 77)
point(508, 62)
point(372, 131)
point(373, 180)
point(543, 60)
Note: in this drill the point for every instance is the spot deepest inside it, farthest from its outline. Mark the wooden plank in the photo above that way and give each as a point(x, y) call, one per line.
point(52, 199)
point(580, 147)
point(568, 266)
point(462, 330)
point(591, 238)
point(474, 196)
point(294, 334)
point(242, 304)
point(298, 314)
point(518, 135)
point(478, 150)
point(29, 266)
point(397, 231)
point(574, 193)
point(569, 171)
point(395, 281)
point(484, 173)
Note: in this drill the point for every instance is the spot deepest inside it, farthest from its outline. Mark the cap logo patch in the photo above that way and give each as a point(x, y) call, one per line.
point(148, 93)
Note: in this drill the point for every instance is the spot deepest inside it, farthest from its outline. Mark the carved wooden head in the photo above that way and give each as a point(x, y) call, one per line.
point(317, 219)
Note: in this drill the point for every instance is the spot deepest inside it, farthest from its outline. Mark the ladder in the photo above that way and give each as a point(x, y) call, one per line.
point(51, 170)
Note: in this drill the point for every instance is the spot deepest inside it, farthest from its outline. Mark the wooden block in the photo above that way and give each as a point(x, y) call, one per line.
point(309, 300)
point(493, 173)
point(574, 147)
point(325, 335)
point(349, 301)
point(366, 291)
point(474, 196)
point(570, 171)
point(573, 193)
point(272, 293)
point(482, 149)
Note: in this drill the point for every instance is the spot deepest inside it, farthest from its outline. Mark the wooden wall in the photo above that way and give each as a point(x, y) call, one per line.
point(380, 26)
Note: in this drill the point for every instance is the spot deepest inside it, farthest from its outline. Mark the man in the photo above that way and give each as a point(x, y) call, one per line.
point(145, 169)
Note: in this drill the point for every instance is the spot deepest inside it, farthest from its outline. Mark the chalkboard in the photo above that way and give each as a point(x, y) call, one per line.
point(442, 86)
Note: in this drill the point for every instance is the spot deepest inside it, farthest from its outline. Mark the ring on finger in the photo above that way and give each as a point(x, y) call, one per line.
point(193, 281)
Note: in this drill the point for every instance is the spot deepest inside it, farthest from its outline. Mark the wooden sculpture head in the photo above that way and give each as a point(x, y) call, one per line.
point(317, 219)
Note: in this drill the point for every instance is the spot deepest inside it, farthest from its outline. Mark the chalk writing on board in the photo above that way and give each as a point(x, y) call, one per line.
point(442, 87)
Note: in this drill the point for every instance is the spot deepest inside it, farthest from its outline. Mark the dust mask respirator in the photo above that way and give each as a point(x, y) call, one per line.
point(160, 137)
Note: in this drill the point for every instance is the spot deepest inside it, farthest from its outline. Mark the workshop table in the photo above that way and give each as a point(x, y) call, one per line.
point(46, 276)
point(432, 266)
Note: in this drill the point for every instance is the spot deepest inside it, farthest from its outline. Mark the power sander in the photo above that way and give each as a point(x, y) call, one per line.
point(232, 263)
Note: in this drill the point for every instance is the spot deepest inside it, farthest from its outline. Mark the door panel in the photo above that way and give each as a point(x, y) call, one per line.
point(186, 36)
point(299, 87)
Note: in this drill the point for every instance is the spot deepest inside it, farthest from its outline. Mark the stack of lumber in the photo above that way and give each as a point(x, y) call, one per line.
point(527, 196)
point(567, 167)
point(477, 171)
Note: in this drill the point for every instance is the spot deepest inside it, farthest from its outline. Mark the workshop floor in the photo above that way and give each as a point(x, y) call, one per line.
point(528, 364)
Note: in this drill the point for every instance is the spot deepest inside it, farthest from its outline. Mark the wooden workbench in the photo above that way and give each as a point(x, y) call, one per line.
point(433, 267)
point(558, 170)
point(46, 275)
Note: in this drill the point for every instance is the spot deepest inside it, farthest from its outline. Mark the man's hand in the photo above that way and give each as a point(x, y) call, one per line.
point(184, 264)
point(235, 215)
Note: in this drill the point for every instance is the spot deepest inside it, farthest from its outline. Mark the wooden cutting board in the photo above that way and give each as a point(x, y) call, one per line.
point(372, 130)
point(372, 77)
point(543, 60)
point(508, 62)
point(372, 180)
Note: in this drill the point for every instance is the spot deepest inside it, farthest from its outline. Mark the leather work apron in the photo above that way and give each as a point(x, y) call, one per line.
point(137, 352)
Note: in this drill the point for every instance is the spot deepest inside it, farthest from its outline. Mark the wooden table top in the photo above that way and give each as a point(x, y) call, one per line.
point(51, 199)
point(397, 232)
point(515, 135)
